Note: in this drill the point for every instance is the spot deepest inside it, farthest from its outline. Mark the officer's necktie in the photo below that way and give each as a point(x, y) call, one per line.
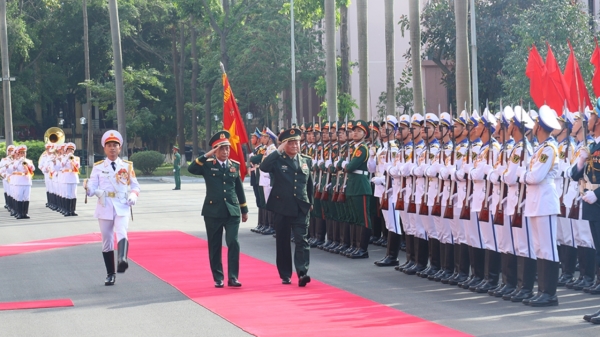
point(296, 165)
point(114, 165)
point(223, 165)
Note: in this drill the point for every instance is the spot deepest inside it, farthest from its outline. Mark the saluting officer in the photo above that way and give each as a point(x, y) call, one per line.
point(113, 181)
point(290, 201)
point(222, 210)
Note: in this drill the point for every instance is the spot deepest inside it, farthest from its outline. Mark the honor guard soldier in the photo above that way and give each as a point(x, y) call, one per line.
point(426, 189)
point(343, 234)
point(542, 207)
point(587, 170)
point(253, 162)
point(387, 156)
point(220, 172)
point(290, 201)
point(41, 165)
point(325, 231)
point(403, 187)
point(460, 134)
point(378, 233)
point(21, 173)
point(268, 140)
point(482, 166)
point(317, 213)
point(506, 248)
point(4, 163)
point(55, 167)
point(114, 183)
point(69, 178)
point(586, 252)
point(439, 193)
point(358, 189)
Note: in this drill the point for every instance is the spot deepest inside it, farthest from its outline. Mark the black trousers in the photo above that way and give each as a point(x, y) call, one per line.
point(595, 228)
point(284, 227)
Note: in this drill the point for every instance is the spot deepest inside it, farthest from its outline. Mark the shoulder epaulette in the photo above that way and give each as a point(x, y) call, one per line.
point(234, 161)
point(99, 162)
point(307, 157)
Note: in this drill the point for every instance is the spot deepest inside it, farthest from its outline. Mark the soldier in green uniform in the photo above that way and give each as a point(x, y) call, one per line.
point(290, 201)
point(222, 210)
point(177, 168)
point(358, 190)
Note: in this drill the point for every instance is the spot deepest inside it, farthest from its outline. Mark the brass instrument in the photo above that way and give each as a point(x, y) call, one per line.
point(54, 135)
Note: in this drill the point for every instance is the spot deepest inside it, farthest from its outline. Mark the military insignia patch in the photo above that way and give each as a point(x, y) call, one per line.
point(515, 159)
point(459, 155)
point(562, 155)
point(357, 153)
point(431, 156)
point(543, 158)
point(473, 156)
point(232, 169)
point(304, 166)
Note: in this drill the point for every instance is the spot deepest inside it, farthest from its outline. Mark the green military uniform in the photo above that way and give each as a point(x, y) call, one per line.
point(224, 203)
point(177, 169)
point(290, 200)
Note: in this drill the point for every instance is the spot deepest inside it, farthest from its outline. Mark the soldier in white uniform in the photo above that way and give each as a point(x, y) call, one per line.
point(482, 167)
point(503, 230)
point(42, 166)
point(113, 181)
point(439, 193)
point(4, 163)
point(69, 179)
point(542, 207)
point(470, 221)
point(268, 139)
point(55, 167)
point(448, 173)
point(20, 180)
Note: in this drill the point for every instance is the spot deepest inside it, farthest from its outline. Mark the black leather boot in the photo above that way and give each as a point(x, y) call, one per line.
point(6, 200)
point(123, 247)
point(492, 272)
point(25, 214)
point(449, 263)
point(477, 258)
point(73, 207)
point(464, 266)
point(435, 259)
point(410, 253)
point(421, 257)
point(540, 281)
point(391, 258)
point(568, 259)
point(548, 296)
point(508, 263)
point(109, 262)
point(527, 270)
point(589, 269)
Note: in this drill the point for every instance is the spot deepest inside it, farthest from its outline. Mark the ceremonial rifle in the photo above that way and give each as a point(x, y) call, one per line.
point(342, 196)
point(465, 212)
point(436, 210)
point(484, 214)
point(412, 206)
point(449, 212)
point(336, 189)
point(318, 189)
point(424, 209)
point(384, 203)
point(517, 220)
point(566, 180)
point(499, 214)
point(574, 211)
point(400, 198)
point(325, 194)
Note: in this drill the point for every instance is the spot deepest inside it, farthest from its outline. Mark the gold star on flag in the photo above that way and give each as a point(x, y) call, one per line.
point(234, 139)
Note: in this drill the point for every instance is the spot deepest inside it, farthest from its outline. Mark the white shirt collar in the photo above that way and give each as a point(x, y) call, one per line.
point(597, 139)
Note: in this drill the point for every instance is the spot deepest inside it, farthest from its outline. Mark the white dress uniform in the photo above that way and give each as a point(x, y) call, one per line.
point(42, 162)
point(565, 231)
point(417, 190)
point(379, 168)
point(70, 166)
point(21, 172)
point(443, 226)
point(504, 233)
point(4, 163)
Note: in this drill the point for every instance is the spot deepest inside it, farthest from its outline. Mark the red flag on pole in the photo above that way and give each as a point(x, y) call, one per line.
point(536, 72)
point(578, 94)
point(556, 90)
point(232, 122)
point(595, 60)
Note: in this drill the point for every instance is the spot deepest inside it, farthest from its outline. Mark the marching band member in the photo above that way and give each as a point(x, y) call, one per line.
point(20, 180)
point(69, 178)
point(4, 163)
point(42, 162)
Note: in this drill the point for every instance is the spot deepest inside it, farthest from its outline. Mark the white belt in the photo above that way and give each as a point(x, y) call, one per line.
point(366, 173)
point(115, 194)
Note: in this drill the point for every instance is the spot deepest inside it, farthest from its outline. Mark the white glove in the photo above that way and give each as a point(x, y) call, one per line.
point(344, 163)
point(132, 199)
point(418, 171)
point(372, 152)
point(487, 169)
point(406, 170)
point(521, 173)
point(319, 162)
point(387, 166)
point(467, 168)
point(378, 180)
point(590, 197)
point(583, 156)
point(443, 172)
point(450, 170)
point(328, 163)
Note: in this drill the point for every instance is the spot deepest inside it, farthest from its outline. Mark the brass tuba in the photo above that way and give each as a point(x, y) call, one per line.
point(54, 135)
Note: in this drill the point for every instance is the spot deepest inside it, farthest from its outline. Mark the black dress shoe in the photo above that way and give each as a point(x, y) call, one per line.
point(508, 296)
point(414, 269)
point(110, 279)
point(360, 254)
point(268, 231)
point(585, 283)
point(444, 275)
point(522, 295)
point(387, 261)
point(484, 287)
point(589, 317)
point(475, 281)
point(176, 189)
point(219, 284)
point(432, 277)
point(564, 279)
point(570, 285)
point(409, 265)
point(303, 280)
point(595, 320)
point(232, 282)
point(446, 280)
point(593, 290)
point(286, 280)
point(535, 297)
point(545, 300)
point(458, 279)
point(505, 289)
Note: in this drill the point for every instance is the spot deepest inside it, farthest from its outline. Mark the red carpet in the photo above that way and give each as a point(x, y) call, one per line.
point(265, 307)
point(65, 302)
point(34, 246)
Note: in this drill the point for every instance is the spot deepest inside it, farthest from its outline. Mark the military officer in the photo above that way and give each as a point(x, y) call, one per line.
point(220, 172)
point(253, 161)
point(290, 201)
point(113, 181)
point(177, 167)
point(542, 207)
point(268, 140)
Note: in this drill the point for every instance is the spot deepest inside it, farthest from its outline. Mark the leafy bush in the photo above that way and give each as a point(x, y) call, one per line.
point(35, 148)
point(147, 161)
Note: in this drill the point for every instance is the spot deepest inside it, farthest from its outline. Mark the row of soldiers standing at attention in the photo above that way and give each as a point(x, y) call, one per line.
point(488, 202)
point(61, 175)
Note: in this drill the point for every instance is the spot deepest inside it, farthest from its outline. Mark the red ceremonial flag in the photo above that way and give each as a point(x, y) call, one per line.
point(536, 71)
point(556, 91)
point(578, 94)
point(595, 60)
point(232, 122)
